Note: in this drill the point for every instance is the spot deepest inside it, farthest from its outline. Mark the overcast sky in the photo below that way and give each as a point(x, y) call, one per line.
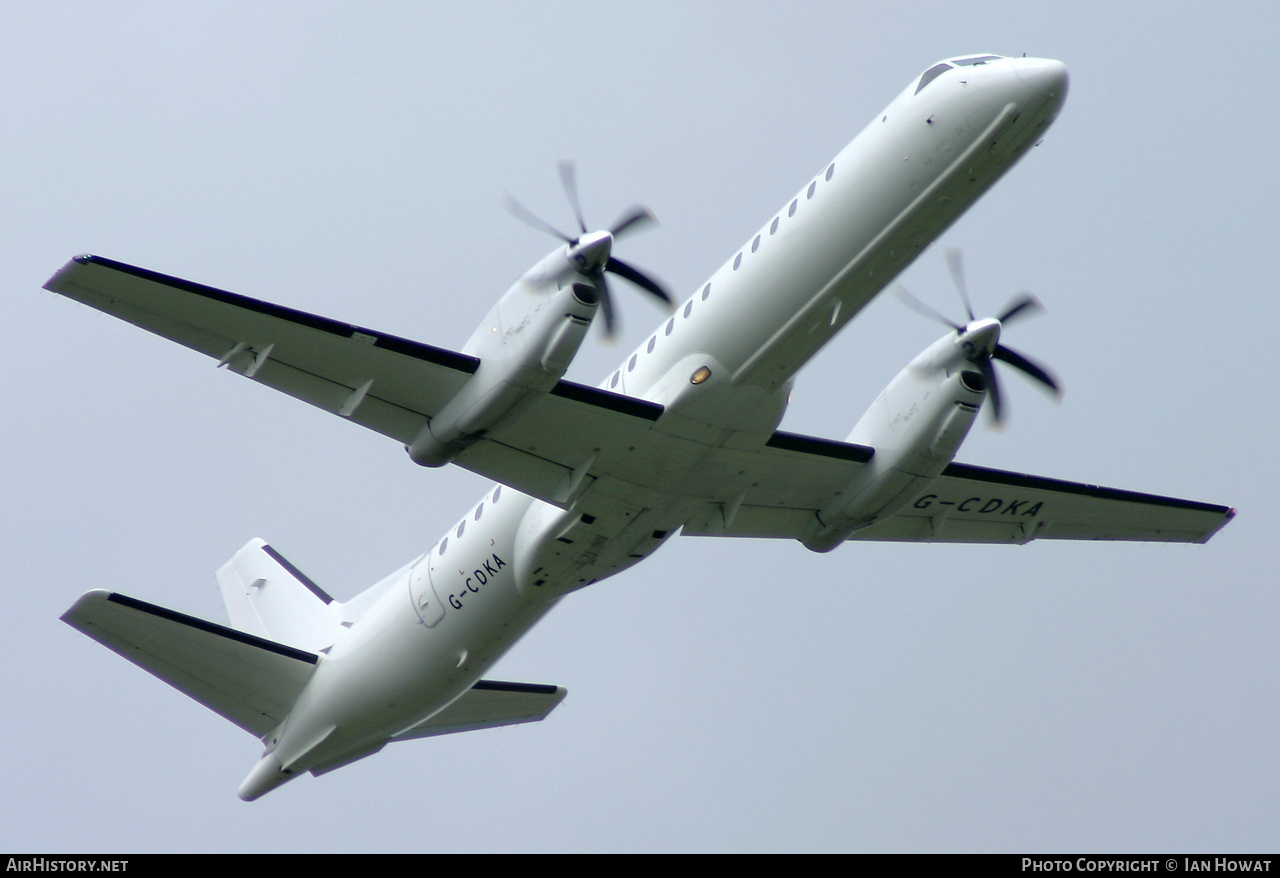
point(724, 695)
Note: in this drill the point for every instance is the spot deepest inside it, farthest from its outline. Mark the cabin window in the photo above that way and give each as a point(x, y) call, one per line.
point(631, 366)
point(497, 492)
point(462, 525)
point(931, 74)
point(652, 342)
point(773, 227)
point(813, 187)
point(791, 211)
point(755, 245)
point(706, 291)
point(671, 324)
point(688, 309)
point(444, 544)
point(831, 169)
point(479, 511)
point(737, 260)
point(613, 382)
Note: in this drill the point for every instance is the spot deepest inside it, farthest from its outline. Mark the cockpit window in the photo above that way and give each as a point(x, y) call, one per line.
point(975, 60)
point(931, 74)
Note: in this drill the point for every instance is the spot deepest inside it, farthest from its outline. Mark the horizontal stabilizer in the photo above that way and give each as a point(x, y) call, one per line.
point(489, 704)
point(249, 680)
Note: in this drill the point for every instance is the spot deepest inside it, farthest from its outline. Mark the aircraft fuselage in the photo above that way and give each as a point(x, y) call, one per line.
point(721, 367)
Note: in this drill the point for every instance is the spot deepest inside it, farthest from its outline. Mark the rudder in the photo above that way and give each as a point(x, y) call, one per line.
point(266, 595)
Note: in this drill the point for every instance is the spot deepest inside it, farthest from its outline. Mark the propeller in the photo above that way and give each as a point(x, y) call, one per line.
point(979, 339)
point(592, 251)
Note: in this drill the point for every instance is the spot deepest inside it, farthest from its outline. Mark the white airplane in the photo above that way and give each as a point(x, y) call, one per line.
point(682, 437)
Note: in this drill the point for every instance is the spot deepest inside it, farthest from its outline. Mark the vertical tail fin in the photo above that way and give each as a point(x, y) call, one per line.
point(267, 596)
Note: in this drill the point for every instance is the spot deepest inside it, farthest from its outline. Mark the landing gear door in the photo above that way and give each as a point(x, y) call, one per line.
point(425, 603)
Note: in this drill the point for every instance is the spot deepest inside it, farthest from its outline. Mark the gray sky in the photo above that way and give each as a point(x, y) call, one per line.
point(725, 695)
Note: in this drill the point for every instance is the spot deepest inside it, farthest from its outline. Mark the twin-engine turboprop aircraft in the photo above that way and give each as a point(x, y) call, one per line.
point(682, 437)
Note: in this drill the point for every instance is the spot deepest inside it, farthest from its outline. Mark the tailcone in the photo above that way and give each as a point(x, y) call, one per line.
point(265, 777)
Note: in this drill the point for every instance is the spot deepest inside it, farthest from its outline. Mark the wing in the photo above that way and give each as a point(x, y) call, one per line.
point(489, 704)
point(249, 680)
point(388, 384)
point(575, 434)
point(797, 476)
point(973, 504)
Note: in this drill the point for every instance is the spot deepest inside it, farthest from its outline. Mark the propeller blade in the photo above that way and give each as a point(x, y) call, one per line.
point(921, 308)
point(1025, 305)
point(636, 216)
point(527, 217)
point(568, 177)
point(606, 306)
point(629, 221)
point(643, 281)
point(993, 393)
point(1031, 369)
point(955, 262)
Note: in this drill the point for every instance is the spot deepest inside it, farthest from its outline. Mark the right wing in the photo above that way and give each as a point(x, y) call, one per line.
point(388, 384)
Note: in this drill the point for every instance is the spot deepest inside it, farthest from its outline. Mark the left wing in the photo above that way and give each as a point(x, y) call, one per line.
point(966, 504)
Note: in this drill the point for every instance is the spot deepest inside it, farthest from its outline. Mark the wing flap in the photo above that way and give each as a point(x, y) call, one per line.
point(249, 680)
point(489, 704)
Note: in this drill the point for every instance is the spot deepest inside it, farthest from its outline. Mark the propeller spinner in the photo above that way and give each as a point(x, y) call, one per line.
point(978, 341)
point(592, 251)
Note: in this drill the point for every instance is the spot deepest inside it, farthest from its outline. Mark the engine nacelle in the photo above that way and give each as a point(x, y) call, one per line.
point(524, 346)
point(916, 426)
